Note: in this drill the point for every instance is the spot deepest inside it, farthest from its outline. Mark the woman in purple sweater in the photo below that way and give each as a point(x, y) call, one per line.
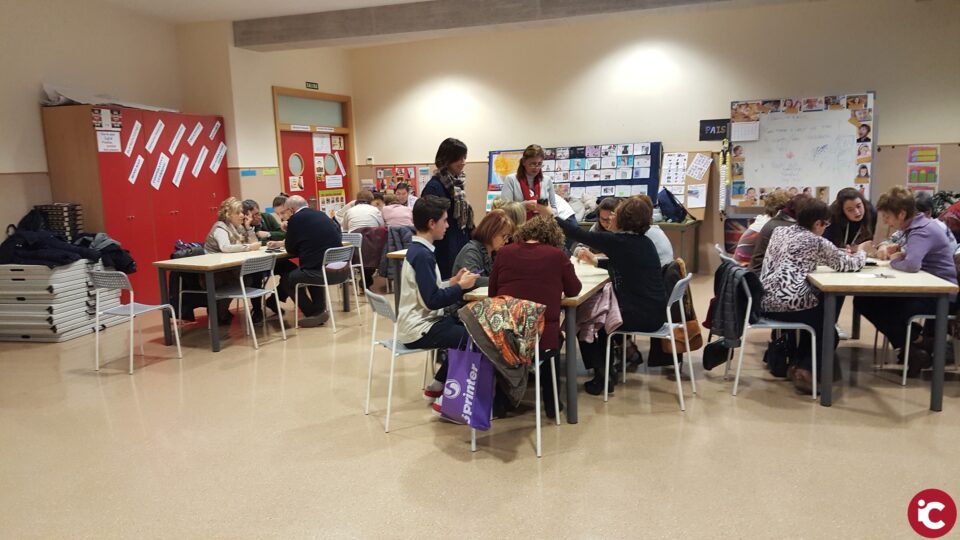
point(926, 248)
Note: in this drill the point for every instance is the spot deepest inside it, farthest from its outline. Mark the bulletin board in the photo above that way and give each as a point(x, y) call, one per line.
point(388, 176)
point(601, 170)
point(816, 145)
point(687, 176)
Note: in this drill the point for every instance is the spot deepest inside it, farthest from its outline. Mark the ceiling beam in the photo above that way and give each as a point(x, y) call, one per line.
point(363, 25)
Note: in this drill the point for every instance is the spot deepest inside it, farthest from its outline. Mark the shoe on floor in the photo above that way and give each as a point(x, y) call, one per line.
point(315, 320)
point(548, 405)
point(803, 380)
point(595, 387)
point(841, 334)
point(256, 316)
point(919, 361)
point(433, 391)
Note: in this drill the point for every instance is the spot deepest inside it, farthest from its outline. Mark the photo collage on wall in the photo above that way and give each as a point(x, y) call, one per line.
point(388, 176)
point(745, 118)
point(577, 172)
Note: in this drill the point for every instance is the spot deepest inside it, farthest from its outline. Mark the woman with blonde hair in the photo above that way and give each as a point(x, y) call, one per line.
point(233, 231)
point(514, 210)
point(536, 268)
point(527, 185)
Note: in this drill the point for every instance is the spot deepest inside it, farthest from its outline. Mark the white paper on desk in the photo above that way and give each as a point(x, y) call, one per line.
point(135, 171)
point(699, 167)
point(744, 131)
point(218, 157)
point(152, 141)
point(321, 143)
point(158, 172)
point(200, 159)
point(197, 130)
point(134, 133)
point(334, 181)
point(176, 139)
point(108, 141)
point(697, 196)
point(181, 167)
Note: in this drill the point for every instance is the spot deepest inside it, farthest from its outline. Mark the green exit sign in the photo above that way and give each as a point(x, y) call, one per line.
point(312, 86)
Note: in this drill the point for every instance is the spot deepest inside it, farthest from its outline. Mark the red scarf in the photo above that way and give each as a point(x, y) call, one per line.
point(527, 196)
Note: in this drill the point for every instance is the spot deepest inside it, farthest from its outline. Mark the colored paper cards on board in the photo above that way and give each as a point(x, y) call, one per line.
point(923, 167)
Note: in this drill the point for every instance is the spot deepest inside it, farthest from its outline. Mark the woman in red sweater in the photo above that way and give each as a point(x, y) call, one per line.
point(536, 268)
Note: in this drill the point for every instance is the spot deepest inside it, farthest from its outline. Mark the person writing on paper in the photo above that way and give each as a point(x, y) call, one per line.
point(606, 221)
point(404, 197)
point(793, 253)
point(535, 268)
point(448, 183)
point(421, 321)
point(363, 214)
point(785, 217)
point(233, 230)
point(491, 234)
point(634, 269)
point(528, 185)
point(925, 247)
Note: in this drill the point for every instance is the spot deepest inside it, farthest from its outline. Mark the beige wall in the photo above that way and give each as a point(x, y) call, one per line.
point(84, 45)
point(654, 76)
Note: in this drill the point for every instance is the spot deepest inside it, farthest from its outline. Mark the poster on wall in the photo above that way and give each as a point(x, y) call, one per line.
point(388, 176)
point(923, 168)
point(816, 145)
point(330, 200)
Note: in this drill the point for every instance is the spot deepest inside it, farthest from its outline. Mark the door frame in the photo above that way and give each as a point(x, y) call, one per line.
point(346, 104)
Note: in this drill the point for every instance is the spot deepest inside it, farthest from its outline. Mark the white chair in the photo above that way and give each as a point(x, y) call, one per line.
point(381, 306)
point(109, 281)
point(356, 240)
point(333, 259)
point(919, 319)
point(556, 400)
point(664, 332)
point(255, 265)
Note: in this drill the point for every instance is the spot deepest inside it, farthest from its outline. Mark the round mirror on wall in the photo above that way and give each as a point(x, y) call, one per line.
point(295, 163)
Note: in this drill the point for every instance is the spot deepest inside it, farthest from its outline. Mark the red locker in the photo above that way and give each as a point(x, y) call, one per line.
point(146, 211)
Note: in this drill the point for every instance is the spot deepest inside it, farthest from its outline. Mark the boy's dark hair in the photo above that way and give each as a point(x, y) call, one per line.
point(427, 208)
point(280, 199)
point(377, 195)
point(450, 150)
point(609, 204)
point(249, 205)
point(402, 185)
point(810, 211)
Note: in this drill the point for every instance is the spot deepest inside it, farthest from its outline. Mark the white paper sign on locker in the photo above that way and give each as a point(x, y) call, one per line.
point(200, 159)
point(176, 139)
point(161, 169)
point(218, 157)
point(135, 172)
point(152, 141)
point(181, 166)
point(216, 128)
point(134, 133)
point(108, 141)
point(197, 130)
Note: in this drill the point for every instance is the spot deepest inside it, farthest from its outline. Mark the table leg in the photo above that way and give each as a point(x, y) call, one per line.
point(683, 235)
point(939, 351)
point(346, 296)
point(212, 315)
point(571, 330)
point(826, 348)
point(398, 268)
point(167, 335)
point(855, 330)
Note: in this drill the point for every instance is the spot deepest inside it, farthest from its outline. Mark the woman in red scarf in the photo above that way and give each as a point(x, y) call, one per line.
point(528, 185)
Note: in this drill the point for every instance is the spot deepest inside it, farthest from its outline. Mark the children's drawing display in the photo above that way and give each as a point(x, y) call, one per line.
point(620, 170)
point(815, 145)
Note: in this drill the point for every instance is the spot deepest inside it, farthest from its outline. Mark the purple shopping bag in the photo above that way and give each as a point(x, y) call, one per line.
point(468, 391)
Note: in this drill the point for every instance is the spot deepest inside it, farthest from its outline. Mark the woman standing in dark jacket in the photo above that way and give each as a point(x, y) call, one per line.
point(448, 183)
point(634, 268)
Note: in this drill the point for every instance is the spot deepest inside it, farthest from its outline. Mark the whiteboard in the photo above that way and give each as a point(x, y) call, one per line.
point(818, 152)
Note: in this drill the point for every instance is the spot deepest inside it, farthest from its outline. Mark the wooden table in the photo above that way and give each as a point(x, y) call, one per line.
point(834, 284)
point(593, 279)
point(208, 265)
point(396, 258)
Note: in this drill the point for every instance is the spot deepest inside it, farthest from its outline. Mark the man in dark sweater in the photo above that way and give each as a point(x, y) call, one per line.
point(309, 235)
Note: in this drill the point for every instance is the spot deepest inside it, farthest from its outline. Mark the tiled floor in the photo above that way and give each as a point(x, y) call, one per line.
point(274, 443)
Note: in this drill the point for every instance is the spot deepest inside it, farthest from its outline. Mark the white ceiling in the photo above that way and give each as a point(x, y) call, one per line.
point(187, 11)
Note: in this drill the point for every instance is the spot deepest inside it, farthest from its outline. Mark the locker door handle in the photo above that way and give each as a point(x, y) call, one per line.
point(129, 218)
